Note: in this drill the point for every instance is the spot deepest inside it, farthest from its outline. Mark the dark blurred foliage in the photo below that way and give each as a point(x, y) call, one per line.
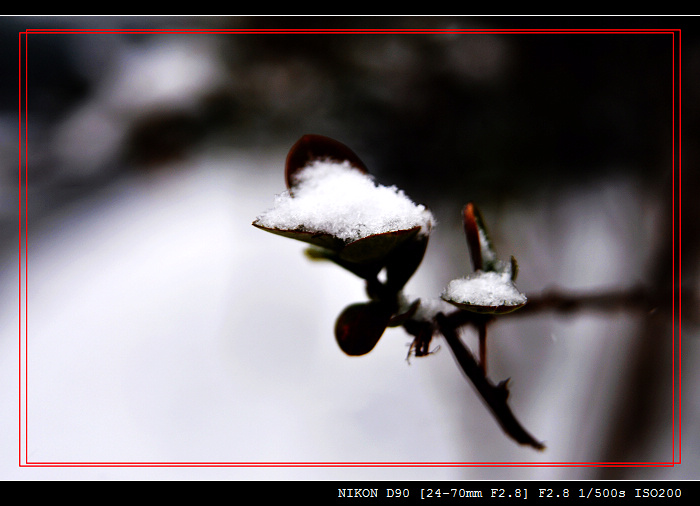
point(482, 115)
point(489, 114)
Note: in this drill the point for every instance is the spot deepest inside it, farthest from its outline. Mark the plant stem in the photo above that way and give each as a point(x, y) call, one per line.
point(495, 396)
point(482, 347)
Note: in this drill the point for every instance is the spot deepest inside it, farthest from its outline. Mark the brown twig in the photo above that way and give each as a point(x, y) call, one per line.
point(495, 396)
point(632, 299)
point(482, 346)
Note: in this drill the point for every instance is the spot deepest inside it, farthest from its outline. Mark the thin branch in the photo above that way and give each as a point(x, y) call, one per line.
point(632, 299)
point(638, 298)
point(495, 396)
point(482, 346)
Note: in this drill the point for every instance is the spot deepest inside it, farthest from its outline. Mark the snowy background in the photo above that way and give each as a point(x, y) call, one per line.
point(163, 327)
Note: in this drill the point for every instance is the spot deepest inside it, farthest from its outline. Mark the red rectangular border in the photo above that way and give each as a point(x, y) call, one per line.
point(23, 173)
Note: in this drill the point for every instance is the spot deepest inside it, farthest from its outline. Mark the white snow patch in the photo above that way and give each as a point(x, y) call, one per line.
point(490, 289)
point(337, 199)
point(487, 254)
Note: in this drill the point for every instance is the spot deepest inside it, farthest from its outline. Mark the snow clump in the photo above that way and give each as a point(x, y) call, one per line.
point(484, 289)
point(335, 198)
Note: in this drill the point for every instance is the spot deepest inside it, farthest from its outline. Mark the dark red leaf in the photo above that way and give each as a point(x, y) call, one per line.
point(377, 247)
point(322, 240)
point(474, 308)
point(317, 147)
point(360, 326)
point(471, 230)
point(370, 250)
point(404, 260)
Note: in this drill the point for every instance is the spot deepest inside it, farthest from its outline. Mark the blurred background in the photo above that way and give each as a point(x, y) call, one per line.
point(163, 327)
